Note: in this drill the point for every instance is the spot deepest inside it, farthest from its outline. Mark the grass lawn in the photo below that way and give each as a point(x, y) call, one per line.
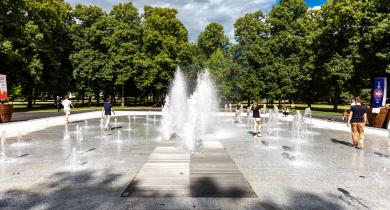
point(48, 106)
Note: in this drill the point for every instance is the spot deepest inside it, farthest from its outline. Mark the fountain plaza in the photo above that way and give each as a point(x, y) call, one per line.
point(191, 157)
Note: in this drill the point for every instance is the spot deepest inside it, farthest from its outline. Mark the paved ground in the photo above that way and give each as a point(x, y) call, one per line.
point(24, 116)
point(57, 168)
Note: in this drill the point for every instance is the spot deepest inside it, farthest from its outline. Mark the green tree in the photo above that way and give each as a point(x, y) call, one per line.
point(227, 74)
point(91, 51)
point(212, 38)
point(124, 42)
point(34, 45)
point(165, 45)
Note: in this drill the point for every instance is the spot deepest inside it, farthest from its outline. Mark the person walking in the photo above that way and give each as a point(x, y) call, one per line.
point(106, 113)
point(67, 104)
point(58, 103)
point(256, 118)
point(357, 120)
point(237, 117)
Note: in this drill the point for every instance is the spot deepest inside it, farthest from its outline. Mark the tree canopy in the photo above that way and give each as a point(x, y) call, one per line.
point(48, 48)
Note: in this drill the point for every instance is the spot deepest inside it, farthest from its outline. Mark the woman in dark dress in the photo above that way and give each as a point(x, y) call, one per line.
point(256, 118)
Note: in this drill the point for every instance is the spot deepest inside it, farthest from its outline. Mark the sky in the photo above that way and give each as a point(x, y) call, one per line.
point(196, 14)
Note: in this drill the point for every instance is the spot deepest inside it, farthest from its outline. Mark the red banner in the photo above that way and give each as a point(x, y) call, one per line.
point(3, 88)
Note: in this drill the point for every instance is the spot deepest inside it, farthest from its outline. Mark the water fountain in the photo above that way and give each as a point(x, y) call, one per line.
point(3, 156)
point(79, 134)
point(175, 113)
point(272, 125)
point(308, 124)
point(66, 133)
point(73, 162)
point(190, 119)
point(119, 136)
point(86, 124)
point(201, 107)
point(115, 122)
point(19, 141)
point(299, 133)
point(101, 124)
point(129, 118)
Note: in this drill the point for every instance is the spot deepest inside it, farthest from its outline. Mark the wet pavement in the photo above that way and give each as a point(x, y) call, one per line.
point(59, 168)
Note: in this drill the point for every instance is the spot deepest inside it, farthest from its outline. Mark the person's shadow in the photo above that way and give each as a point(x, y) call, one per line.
point(341, 142)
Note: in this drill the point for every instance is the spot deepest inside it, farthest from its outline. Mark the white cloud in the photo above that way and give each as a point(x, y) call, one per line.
point(315, 7)
point(196, 14)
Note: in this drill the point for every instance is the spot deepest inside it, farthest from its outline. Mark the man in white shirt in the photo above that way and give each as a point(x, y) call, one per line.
point(67, 103)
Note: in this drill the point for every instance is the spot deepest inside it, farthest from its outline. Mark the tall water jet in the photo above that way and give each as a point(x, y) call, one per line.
point(201, 108)
point(175, 111)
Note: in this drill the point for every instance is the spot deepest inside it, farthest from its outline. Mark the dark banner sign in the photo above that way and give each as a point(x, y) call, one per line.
point(380, 89)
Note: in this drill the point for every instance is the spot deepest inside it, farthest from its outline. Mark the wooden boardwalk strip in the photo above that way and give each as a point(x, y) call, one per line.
point(173, 172)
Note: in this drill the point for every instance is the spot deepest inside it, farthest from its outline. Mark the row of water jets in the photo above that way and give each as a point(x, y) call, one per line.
point(80, 135)
point(301, 128)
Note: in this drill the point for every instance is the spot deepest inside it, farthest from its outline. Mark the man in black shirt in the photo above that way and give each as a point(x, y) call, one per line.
point(357, 119)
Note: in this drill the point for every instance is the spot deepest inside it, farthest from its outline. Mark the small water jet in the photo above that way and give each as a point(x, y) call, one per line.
point(273, 125)
point(115, 122)
point(19, 141)
point(66, 133)
point(101, 124)
point(3, 157)
point(73, 158)
point(129, 118)
point(119, 136)
point(86, 124)
point(77, 130)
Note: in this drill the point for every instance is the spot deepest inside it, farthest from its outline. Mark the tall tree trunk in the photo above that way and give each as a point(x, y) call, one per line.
point(83, 96)
point(123, 96)
point(29, 101)
point(336, 98)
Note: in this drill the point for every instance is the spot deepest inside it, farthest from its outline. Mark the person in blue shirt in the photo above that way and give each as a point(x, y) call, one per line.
point(106, 113)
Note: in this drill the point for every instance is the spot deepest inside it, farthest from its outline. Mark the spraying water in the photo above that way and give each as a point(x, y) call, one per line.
point(175, 111)
point(101, 124)
point(119, 136)
point(190, 118)
point(3, 157)
point(201, 105)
